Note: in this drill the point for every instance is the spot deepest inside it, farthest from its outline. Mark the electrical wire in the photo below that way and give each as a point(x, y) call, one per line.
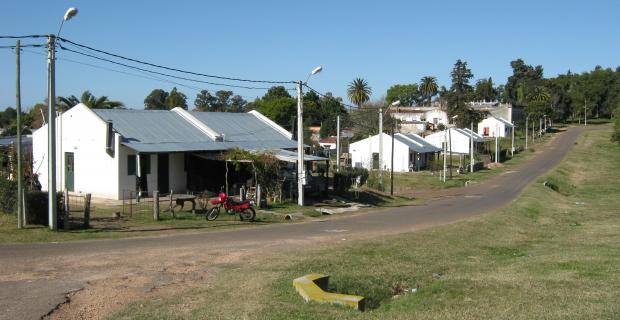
point(170, 68)
point(161, 73)
point(24, 37)
point(24, 46)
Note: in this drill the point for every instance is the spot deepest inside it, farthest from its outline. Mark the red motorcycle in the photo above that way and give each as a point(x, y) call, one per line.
point(232, 207)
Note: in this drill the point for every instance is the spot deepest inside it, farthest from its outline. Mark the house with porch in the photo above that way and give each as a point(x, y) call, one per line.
point(495, 127)
point(108, 152)
point(456, 140)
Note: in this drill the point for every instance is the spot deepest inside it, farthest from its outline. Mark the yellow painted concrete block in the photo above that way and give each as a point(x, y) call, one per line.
point(313, 286)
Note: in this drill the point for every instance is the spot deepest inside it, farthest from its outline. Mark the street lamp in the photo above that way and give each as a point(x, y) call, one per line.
point(301, 173)
point(394, 104)
point(51, 120)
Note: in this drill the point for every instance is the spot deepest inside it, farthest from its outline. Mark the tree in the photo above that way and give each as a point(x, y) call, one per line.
point(428, 88)
point(237, 103)
point(223, 100)
point(89, 100)
point(204, 101)
point(366, 120)
point(616, 115)
point(102, 102)
point(176, 99)
point(156, 100)
point(281, 110)
point(484, 90)
point(408, 94)
point(37, 114)
point(460, 93)
point(65, 103)
point(276, 92)
point(359, 92)
point(523, 80)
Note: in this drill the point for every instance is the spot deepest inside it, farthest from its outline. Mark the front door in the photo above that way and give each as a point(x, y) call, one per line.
point(162, 173)
point(69, 171)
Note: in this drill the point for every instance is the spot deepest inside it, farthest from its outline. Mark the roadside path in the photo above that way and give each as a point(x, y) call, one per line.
point(35, 278)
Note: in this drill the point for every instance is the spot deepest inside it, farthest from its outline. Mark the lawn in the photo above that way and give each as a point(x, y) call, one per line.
point(553, 254)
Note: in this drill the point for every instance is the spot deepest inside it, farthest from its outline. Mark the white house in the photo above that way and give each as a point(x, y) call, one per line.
point(107, 152)
point(417, 119)
point(458, 140)
point(329, 143)
point(411, 152)
point(495, 127)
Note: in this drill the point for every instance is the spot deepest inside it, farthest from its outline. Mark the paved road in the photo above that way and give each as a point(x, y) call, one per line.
point(43, 282)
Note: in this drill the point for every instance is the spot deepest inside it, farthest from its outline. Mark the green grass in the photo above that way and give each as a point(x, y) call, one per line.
point(552, 254)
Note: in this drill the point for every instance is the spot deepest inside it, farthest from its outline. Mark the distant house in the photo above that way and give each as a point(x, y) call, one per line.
point(411, 152)
point(328, 143)
point(457, 140)
point(498, 109)
point(495, 127)
point(107, 152)
point(419, 119)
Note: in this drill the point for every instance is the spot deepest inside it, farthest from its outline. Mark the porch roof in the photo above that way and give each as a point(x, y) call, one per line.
point(416, 143)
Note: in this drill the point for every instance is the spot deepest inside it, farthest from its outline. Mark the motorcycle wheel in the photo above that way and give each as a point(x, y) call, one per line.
point(213, 213)
point(247, 215)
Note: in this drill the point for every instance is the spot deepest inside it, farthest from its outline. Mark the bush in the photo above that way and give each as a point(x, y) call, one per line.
point(615, 136)
point(37, 211)
point(8, 194)
point(344, 179)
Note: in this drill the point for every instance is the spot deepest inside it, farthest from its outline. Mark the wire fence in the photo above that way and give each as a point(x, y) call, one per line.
point(137, 203)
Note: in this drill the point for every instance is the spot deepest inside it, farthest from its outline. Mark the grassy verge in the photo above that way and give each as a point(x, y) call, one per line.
point(553, 254)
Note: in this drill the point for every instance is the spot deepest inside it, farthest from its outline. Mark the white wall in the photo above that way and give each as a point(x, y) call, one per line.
point(496, 128)
point(361, 153)
point(442, 116)
point(460, 142)
point(81, 131)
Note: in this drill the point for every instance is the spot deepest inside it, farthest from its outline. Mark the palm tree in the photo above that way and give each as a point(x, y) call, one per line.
point(99, 103)
point(359, 92)
point(428, 87)
point(540, 95)
point(65, 103)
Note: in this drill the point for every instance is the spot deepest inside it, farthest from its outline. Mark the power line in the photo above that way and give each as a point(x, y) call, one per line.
point(24, 46)
point(170, 68)
point(24, 37)
point(161, 73)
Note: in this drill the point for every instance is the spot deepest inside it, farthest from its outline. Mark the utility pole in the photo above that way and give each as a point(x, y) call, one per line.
point(540, 127)
point(51, 124)
point(301, 173)
point(18, 108)
point(585, 112)
point(381, 149)
point(338, 144)
point(392, 163)
point(496, 143)
point(471, 148)
point(445, 151)
point(526, 120)
point(450, 146)
point(512, 143)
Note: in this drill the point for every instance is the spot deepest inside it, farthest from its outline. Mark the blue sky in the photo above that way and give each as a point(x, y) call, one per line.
point(385, 42)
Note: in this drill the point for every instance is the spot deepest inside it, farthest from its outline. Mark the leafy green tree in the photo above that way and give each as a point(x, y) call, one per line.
point(359, 92)
point(428, 88)
point(523, 80)
point(276, 92)
point(616, 134)
point(102, 102)
point(88, 99)
point(156, 100)
point(408, 94)
point(204, 101)
point(460, 94)
point(365, 120)
point(176, 99)
point(485, 90)
point(223, 100)
point(282, 110)
point(237, 103)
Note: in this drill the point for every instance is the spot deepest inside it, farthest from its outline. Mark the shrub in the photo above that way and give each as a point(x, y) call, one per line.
point(8, 194)
point(615, 136)
point(36, 207)
point(344, 179)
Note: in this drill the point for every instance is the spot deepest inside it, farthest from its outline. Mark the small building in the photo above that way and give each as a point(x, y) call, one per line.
point(108, 152)
point(457, 139)
point(495, 127)
point(328, 143)
point(419, 119)
point(411, 152)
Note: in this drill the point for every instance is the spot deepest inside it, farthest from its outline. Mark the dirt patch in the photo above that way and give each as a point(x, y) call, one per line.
point(165, 276)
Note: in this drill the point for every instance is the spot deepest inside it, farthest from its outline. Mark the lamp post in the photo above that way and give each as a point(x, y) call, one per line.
point(450, 141)
point(301, 172)
point(51, 120)
point(526, 123)
point(393, 104)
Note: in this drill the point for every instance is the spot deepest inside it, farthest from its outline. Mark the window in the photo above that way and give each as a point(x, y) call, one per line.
point(131, 165)
point(486, 131)
point(375, 160)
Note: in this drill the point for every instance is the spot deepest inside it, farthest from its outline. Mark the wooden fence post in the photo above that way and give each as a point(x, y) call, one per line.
point(155, 205)
point(171, 206)
point(87, 210)
point(66, 216)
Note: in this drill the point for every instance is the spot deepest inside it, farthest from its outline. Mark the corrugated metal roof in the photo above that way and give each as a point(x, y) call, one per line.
point(239, 126)
point(419, 144)
point(153, 131)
